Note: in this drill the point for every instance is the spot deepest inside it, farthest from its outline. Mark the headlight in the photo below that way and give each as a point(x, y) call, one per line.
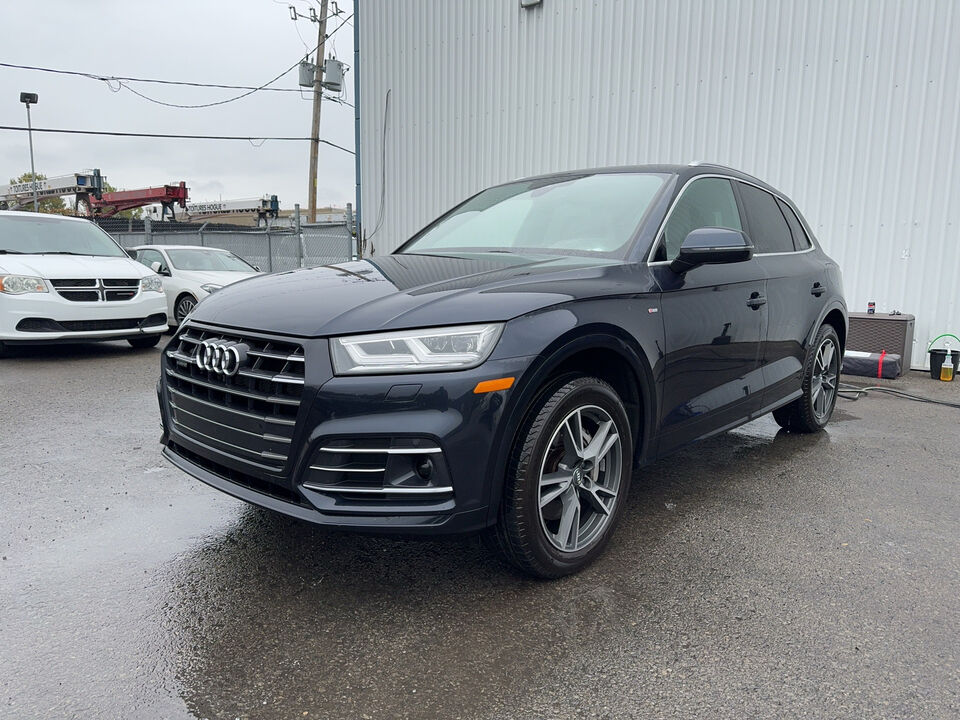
point(447, 348)
point(151, 283)
point(211, 288)
point(20, 284)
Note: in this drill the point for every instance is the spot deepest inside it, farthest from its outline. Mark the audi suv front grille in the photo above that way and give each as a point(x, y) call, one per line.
point(97, 290)
point(247, 413)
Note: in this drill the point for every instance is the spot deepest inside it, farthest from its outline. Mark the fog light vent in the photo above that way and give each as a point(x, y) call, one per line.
point(424, 467)
point(379, 466)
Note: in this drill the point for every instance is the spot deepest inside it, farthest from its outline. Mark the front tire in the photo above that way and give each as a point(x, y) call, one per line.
point(147, 341)
point(821, 375)
point(567, 479)
point(185, 305)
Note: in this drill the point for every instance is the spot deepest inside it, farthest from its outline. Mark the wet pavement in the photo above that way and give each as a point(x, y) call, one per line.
point(758, 574)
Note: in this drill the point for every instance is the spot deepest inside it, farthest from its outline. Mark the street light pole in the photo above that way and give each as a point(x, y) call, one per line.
point(26, 99)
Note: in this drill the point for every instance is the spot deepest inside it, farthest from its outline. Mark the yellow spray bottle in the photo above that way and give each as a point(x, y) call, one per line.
point(946, 370)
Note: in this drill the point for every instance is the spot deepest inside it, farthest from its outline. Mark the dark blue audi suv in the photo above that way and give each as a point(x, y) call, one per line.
point(508, 368)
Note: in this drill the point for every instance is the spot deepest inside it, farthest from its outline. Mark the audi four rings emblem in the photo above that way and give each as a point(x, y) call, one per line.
point(223, 358)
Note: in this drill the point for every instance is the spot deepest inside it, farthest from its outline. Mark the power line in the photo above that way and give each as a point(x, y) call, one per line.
point(210, 104)
point(122, 81)
point(174, 136)
point(107, 78)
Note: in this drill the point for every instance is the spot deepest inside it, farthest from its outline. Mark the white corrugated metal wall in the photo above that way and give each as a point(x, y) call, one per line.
point(852, 108)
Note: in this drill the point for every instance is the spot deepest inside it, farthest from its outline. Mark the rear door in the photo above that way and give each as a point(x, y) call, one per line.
point(714, 320)
point(796, 283)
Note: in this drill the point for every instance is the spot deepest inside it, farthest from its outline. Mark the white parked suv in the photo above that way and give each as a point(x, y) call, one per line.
point(64, 279)
point(190, 273)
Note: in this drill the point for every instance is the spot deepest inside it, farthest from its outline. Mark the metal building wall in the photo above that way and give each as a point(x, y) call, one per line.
point(851, 108)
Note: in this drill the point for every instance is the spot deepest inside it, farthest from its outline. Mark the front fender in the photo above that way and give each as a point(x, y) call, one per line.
point(559, 334)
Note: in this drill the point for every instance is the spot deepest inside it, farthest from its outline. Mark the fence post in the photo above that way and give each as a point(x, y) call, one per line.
point(351, 250)
point(269, 252)
point(200, 233)
point(299, 231)
point(147, 230)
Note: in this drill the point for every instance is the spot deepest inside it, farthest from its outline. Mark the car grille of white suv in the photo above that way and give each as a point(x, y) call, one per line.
point(97, 289)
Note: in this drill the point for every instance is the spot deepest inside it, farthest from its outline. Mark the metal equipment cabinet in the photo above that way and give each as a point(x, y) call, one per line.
point(876, 333)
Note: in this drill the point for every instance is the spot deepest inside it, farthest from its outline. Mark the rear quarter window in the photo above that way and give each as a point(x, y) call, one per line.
point(800, 239)
point(768, 227)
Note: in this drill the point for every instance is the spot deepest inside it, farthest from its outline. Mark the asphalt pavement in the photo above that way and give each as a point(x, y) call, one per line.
point(758, 574)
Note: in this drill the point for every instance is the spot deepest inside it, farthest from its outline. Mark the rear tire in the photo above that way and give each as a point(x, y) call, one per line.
point(3, 349)
point(821, 375)
point(563, 498)
point(147, 341)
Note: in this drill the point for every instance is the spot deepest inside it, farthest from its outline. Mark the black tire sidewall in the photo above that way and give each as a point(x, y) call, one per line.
point(176, 308)
point(528, 457)
point(826, 331)
point(145, 342)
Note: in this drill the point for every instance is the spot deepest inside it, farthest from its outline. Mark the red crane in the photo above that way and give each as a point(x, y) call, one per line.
point(110, 203)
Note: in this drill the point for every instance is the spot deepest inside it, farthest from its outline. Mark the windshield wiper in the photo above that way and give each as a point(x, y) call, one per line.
point(64, 252)
point(10, 252)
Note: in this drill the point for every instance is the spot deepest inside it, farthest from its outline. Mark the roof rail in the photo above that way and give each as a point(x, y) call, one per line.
point(697, 163)
point(701, 163)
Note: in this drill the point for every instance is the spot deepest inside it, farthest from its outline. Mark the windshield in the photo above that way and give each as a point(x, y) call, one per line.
point(208, 260)
point(570, 215)
point(43, 235)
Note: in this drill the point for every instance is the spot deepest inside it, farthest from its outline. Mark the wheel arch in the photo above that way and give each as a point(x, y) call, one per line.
point(839, 322)
point(834, 314)
point(604, 351)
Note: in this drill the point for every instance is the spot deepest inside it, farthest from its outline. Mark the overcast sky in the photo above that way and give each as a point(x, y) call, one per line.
point(241, 42)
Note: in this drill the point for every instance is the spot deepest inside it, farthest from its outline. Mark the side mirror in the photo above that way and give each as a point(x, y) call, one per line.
point(712, 246)
point(159, 269)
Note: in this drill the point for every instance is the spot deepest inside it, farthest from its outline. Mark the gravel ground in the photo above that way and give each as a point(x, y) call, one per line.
point(758, 574)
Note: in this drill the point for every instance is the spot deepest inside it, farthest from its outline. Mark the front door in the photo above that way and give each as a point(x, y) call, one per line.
point(714, 319)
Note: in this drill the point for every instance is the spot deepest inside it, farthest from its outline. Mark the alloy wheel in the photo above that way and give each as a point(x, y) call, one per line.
point(184, 308)
point(580, 478)
point(823, 387)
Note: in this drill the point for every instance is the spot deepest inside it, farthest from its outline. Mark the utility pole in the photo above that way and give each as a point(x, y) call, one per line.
point(315, 131)
point(26, 99)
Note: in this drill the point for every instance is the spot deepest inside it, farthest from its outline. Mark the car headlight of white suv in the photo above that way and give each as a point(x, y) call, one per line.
point(21, 284)
point(151, 283)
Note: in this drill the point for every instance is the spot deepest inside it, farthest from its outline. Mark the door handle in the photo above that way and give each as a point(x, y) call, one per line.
point(756, 300)
point(817, 289)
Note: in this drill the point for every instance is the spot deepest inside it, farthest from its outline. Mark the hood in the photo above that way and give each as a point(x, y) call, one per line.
point(407, 291)
point(222, 278)
point(72, 266)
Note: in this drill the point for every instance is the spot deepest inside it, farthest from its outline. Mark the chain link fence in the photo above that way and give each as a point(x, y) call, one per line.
point(272, 250)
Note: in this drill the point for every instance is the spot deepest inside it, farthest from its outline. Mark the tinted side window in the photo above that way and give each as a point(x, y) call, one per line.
point(768, 228)
point(800, 239)
point(708, 202)
point(148, 257)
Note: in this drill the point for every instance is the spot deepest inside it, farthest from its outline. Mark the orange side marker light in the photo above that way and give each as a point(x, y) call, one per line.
point(493, 385)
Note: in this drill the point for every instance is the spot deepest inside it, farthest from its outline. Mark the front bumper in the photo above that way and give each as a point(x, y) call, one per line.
point(53, 315)
point(356, 446)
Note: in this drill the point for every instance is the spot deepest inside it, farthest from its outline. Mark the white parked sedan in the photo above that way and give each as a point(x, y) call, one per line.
point(190, 273)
